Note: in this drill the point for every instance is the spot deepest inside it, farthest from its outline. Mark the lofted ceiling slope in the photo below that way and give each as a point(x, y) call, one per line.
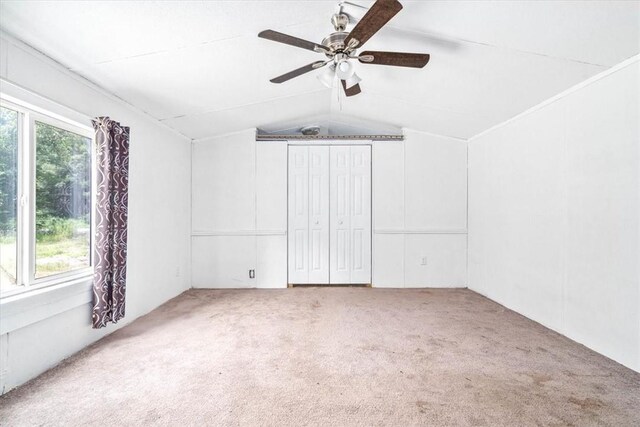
point(200, 68)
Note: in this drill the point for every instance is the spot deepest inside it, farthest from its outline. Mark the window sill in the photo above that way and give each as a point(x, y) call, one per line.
point(31, 306)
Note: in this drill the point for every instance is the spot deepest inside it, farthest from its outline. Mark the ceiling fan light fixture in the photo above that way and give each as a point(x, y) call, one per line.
point(352, 81)
point(327, 77)
point(344, 70)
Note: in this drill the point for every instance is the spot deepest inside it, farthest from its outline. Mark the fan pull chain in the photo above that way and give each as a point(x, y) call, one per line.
point(340, 93)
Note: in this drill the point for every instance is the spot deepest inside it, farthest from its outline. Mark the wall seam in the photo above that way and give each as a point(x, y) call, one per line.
point(404, 213)
point(612, 70)
point(4, 370)
point(255, 210)
point(190, 283)
point(467, 217)
point(565, 243)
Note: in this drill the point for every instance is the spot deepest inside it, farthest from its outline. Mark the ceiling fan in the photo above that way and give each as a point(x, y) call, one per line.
point(340, 47)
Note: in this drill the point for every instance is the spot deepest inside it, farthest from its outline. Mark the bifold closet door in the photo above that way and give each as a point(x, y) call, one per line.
point(308, 229)
point(350, 214)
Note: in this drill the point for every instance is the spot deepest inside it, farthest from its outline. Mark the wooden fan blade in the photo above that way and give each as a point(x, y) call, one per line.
point(353, 90)
point(299, 71)
point(375, 18)
point(398, 59)
point(292, 41)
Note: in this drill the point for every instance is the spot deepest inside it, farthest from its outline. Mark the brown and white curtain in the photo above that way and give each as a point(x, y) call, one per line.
point(112, 198)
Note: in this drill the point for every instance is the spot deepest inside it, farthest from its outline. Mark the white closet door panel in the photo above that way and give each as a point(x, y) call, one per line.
point(298, 228)
point(360, 218)
point(319, 215)
point(329, 227)
point(340, 187)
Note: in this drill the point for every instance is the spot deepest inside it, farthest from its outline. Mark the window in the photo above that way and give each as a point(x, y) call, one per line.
point(45, 199)
point(8, 198)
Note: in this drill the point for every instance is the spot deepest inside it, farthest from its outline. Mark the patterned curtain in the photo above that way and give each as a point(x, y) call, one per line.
point(112, 141)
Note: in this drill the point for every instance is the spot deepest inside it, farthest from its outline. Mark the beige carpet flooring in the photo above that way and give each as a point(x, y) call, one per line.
point(330, 356)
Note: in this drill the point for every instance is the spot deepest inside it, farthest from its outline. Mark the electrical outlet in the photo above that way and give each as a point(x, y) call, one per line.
point(423, 261)
point(177, 271)
point(252, 274)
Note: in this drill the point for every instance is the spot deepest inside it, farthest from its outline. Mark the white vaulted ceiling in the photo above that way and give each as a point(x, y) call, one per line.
point(200, 68)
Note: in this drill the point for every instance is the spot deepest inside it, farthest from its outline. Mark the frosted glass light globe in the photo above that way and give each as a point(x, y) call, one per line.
point(344, 70)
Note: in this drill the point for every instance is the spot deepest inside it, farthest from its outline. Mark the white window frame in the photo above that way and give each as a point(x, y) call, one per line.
point(28, 115)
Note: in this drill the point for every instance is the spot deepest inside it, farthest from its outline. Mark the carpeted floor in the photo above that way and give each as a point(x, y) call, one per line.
point(330, 356)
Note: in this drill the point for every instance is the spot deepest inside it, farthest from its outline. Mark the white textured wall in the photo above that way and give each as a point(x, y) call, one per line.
point(554, 214)
point(240, 212)
point(158, 252)
point(420, 211)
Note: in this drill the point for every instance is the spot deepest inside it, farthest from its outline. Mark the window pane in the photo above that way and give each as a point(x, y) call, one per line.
point(8, 198)
point(63, 200)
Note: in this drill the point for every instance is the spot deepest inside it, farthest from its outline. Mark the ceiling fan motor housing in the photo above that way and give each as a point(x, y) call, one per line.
point(340, 21)
point(335, 41)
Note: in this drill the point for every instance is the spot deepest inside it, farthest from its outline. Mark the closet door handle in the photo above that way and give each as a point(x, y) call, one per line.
point(340, 222)
point(317, 222)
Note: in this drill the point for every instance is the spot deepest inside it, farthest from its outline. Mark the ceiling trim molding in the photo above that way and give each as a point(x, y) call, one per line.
point(84, 81)
point(563, 94)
